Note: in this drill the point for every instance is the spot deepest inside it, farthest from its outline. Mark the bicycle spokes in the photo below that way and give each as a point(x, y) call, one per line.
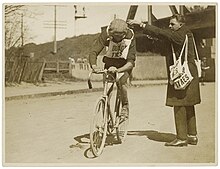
point(97, 139)
point(98, 128)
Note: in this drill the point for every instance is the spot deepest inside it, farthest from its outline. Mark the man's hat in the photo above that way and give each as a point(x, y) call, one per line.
point(118, 26)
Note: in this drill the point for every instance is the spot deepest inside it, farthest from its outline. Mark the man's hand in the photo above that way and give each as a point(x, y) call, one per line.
point(113, 69)
point(95, 68)
point(133, 22)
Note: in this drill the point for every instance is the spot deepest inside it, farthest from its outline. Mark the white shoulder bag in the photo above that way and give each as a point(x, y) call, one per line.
point(180, 75)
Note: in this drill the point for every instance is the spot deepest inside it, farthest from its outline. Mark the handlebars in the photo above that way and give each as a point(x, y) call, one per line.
point(106, 72)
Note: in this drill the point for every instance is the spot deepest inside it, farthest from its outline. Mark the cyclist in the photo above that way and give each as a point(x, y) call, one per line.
point(120, 56)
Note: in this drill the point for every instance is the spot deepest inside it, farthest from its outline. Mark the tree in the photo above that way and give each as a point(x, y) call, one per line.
point(16, 31)
point(12, 24)
point(11, 9)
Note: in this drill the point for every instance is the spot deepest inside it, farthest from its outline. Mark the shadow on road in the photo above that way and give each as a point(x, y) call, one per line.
point(154, 135)
point(85, 137)
point(83, 141)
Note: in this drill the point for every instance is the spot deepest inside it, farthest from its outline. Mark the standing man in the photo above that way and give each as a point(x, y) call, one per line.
point(120, 56)
point(183, 101)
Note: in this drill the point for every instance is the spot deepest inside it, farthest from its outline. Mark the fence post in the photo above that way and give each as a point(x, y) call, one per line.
point(42, 71)
point(12, 72)
point(58, 66)
point(24, 60)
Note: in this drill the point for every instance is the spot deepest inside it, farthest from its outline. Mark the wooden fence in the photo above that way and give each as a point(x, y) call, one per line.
point(16, 70)
point(58, 66)
point(24, 69)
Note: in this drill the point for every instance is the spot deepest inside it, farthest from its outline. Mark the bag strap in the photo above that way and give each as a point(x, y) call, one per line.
point(173, 52)
point(186, 48)
point(184, 44)
point(194, 43)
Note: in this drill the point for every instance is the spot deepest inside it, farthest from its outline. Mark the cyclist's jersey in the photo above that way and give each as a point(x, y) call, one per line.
point(122, 52)
point(119, 50)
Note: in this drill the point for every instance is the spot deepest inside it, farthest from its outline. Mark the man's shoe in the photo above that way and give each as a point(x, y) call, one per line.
point(193, 140)
point(177, 143)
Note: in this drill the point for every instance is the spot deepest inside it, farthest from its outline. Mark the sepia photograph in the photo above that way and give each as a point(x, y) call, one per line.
point(109, 84)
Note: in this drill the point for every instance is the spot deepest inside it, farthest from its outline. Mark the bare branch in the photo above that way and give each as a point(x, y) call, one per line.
point(9, 9)
point(15, 27)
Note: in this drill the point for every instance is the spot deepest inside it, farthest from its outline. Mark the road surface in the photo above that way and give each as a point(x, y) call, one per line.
point(55, 131)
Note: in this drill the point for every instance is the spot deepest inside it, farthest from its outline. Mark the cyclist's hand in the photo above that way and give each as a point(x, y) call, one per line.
point(96, 68)
point(113, 69)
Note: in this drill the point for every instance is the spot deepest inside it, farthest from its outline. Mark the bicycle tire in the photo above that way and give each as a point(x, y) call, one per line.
point(121, 129)
point(98, 127)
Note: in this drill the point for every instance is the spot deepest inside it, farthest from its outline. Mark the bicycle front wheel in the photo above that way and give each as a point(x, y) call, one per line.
point(98, 128)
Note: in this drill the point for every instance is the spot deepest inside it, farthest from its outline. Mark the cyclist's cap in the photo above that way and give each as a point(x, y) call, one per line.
point(118, 26)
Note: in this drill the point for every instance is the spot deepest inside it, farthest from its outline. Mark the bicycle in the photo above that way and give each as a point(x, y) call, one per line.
point(105, 121)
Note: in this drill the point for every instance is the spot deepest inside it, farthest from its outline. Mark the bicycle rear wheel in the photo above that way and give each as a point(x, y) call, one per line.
point(122, 124)
point(98, 128)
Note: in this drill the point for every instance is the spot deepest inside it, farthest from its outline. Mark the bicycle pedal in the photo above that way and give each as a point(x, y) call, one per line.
point(123, 118)
point(117, 121)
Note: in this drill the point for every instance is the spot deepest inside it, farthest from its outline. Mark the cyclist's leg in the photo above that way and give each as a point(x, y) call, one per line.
point(122, 85)
point(121, 130)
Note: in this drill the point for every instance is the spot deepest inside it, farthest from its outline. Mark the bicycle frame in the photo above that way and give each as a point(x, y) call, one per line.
point(110, 120)
point(107, 92)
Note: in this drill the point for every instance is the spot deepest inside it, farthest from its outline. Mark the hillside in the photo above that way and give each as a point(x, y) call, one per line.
point(75, 47)
point(79, 47)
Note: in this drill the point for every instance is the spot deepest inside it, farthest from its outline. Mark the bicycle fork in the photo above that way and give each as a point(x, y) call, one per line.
point(115, 114)
point(117, 107)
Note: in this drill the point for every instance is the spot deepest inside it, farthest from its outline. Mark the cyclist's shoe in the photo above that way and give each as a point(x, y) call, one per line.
point(124, 114)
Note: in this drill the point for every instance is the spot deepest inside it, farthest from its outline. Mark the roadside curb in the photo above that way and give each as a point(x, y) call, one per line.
point(69, 92)
point(38, 95)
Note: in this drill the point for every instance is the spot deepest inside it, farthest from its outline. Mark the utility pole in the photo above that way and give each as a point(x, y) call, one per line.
point(55, 29)
point(78, 17)
point(22, 30)
point(55, 25)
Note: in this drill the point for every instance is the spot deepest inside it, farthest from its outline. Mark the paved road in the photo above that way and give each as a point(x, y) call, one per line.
point(54, 130)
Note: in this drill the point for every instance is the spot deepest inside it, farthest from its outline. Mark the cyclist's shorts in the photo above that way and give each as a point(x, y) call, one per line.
point(116, 62)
